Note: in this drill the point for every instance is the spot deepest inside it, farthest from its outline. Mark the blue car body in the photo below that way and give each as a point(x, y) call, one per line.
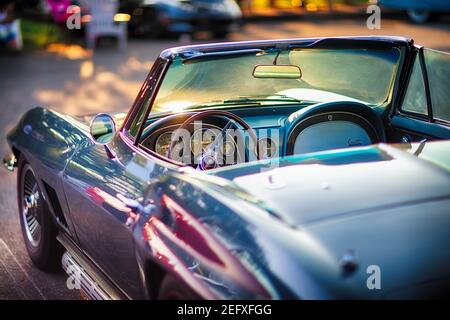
point(315, 227)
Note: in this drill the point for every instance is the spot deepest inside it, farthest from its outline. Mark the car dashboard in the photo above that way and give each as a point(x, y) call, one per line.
point(276, 129)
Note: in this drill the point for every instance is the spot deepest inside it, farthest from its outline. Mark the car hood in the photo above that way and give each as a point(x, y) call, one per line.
point(313, 187)
point(407, 245)
point(380, 207)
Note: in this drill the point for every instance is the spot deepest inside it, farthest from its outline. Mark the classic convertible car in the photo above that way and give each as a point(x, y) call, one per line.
point(283, 169)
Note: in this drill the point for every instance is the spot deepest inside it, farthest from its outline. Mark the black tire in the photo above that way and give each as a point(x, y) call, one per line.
point(40, 240)
point(173, 289)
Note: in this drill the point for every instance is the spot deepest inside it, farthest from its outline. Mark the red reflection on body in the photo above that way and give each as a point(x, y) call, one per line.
point(195, 239)
point(101, 198)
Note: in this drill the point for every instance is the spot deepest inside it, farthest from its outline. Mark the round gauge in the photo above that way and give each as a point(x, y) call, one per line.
point(201, 139)
point(228, 149)
point(267, 148)
point(163, 144)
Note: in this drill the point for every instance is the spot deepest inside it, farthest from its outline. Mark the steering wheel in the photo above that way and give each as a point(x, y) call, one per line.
point(208, 159)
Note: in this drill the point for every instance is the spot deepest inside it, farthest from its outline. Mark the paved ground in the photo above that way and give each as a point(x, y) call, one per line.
point(71, 80)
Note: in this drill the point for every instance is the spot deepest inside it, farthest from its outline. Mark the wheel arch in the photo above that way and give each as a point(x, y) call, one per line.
point(152, 277)
point(48, 140)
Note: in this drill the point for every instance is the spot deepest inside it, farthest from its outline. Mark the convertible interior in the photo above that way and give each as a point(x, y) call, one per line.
point(223, 109)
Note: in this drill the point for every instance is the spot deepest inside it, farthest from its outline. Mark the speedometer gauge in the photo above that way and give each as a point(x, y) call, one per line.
point(163, 144)
point(201, 139)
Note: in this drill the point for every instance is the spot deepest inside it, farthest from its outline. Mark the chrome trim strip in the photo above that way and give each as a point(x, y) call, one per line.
point(92, 278)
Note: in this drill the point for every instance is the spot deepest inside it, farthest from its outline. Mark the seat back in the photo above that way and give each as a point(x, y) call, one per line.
point(102, 21)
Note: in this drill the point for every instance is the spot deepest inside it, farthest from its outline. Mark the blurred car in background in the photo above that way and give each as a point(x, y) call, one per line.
point(161, 17)
point(419, 11)
point(57, 11)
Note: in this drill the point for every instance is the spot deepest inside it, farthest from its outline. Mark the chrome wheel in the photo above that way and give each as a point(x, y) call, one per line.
point(39, 232)
point(30, 202)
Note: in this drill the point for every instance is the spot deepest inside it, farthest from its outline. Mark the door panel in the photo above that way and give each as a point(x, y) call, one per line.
point(92, 182)
point(104, 225)
point(417, 129)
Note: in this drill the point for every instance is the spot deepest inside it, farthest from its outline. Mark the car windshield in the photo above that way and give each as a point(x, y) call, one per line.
point(363, 75)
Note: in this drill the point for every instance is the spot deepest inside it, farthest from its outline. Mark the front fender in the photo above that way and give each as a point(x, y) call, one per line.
point(47, 137)
point(48, 140)
point(204, 243)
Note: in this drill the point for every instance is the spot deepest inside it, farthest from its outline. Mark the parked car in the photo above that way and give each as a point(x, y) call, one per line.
point(56, 10)
point(272, 169)
point(159, 17)
point(419, 11)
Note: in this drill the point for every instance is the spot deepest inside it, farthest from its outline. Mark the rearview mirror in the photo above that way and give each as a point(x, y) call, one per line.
point(102, 129)
point(277, 72)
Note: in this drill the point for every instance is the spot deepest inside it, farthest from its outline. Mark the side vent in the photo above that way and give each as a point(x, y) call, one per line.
point(56, 206)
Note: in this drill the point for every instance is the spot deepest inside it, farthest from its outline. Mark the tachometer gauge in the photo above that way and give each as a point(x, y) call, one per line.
point(163, 144)
point(267, 148)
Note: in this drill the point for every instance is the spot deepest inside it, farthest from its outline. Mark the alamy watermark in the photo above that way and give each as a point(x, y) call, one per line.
point(374, 20)
point(74, 19)
point(75, 282)
point(374, 279)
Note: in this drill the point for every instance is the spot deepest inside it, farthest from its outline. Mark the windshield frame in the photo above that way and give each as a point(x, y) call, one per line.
point(198, 57)
point(148, 92)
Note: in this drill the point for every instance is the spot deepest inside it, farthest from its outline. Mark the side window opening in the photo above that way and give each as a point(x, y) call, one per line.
point(438, 71)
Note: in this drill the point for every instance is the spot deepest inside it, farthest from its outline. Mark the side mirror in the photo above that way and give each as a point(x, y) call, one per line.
point(102, 129)
point(277, 72)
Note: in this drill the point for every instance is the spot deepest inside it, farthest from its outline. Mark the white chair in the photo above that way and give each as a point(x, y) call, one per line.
point(102, 22)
